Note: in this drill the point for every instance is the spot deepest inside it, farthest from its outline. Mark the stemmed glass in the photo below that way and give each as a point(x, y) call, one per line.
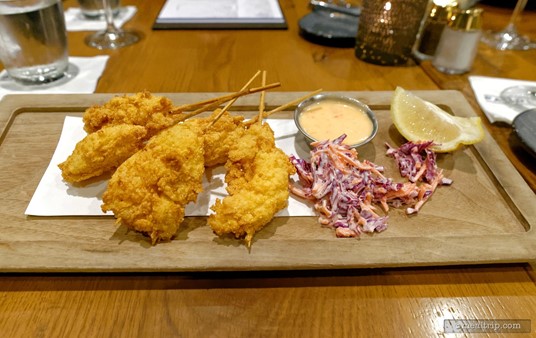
point(112, 37)
point(509, 38)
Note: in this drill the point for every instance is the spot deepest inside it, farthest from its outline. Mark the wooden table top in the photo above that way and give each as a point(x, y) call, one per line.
point(376, 302)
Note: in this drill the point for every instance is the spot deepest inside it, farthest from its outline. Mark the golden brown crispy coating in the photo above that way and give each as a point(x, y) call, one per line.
point(149, 191)
point(243, 152)
point(141, 109)
point(257, 178)
point(102, 152)
point(220, 136)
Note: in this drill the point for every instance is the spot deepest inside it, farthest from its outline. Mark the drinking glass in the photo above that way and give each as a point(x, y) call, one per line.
point(112, 37)
point(94, 10)
point(523, 97)
point(33, 40)
point(509, 38)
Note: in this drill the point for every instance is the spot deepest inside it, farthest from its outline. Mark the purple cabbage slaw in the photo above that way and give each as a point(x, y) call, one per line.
point(346, 192)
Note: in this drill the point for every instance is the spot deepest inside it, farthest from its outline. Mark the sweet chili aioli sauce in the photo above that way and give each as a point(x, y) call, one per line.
point(330, 119)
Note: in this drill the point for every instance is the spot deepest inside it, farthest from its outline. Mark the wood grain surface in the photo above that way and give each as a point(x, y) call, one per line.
point(384, 302)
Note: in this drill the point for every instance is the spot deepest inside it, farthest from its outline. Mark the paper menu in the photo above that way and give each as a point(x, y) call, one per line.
point(220, 14)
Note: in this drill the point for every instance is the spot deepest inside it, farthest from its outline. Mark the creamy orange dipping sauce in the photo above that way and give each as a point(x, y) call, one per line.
point(330, 119)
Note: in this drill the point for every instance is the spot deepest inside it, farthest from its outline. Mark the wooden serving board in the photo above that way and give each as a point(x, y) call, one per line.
point(486, 216)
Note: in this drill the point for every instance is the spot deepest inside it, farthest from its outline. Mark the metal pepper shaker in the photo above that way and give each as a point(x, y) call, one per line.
point(458, 45)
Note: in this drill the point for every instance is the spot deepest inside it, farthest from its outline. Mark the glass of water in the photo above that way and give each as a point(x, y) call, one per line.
point(33, 40)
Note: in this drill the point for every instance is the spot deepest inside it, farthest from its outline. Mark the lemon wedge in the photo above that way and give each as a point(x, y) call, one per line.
point(420, 120)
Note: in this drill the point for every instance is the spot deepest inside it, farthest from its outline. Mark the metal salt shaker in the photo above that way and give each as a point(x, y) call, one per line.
point(458, 45)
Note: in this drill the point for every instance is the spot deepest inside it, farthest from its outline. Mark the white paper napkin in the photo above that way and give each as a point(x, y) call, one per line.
point(76, 21)
point(496, 111)
point(81, 78)
point(55, 197)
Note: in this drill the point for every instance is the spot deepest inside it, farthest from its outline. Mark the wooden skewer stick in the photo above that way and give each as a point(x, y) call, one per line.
point(196, 105)
point(215, 104)
point(209, 106)
point(283, 107)
point(261, 103)
point(252, 90)
point(199, 104)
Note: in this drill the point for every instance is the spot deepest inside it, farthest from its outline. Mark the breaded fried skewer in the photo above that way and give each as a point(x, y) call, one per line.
point(152, 112)
point(150, 190)
point(218, 137)
point(257, 182)
point(102, 151)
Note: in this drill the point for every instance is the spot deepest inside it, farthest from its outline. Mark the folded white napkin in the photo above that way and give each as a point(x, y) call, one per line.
point(81, 78)
point(76, 21)
point(55, 197)
point(492, 87)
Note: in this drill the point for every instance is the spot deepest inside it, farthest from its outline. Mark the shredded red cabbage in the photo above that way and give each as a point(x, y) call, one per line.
point(346, 191)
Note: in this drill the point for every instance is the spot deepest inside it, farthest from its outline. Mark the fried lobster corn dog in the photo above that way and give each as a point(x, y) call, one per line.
point(257, 182)
point(149, 191)
point(156, 113)
point(219, 138)
point(142, 109)
point(102, 152)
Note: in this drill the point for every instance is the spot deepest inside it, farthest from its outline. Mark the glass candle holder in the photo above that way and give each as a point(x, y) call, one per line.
point(388, 30)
